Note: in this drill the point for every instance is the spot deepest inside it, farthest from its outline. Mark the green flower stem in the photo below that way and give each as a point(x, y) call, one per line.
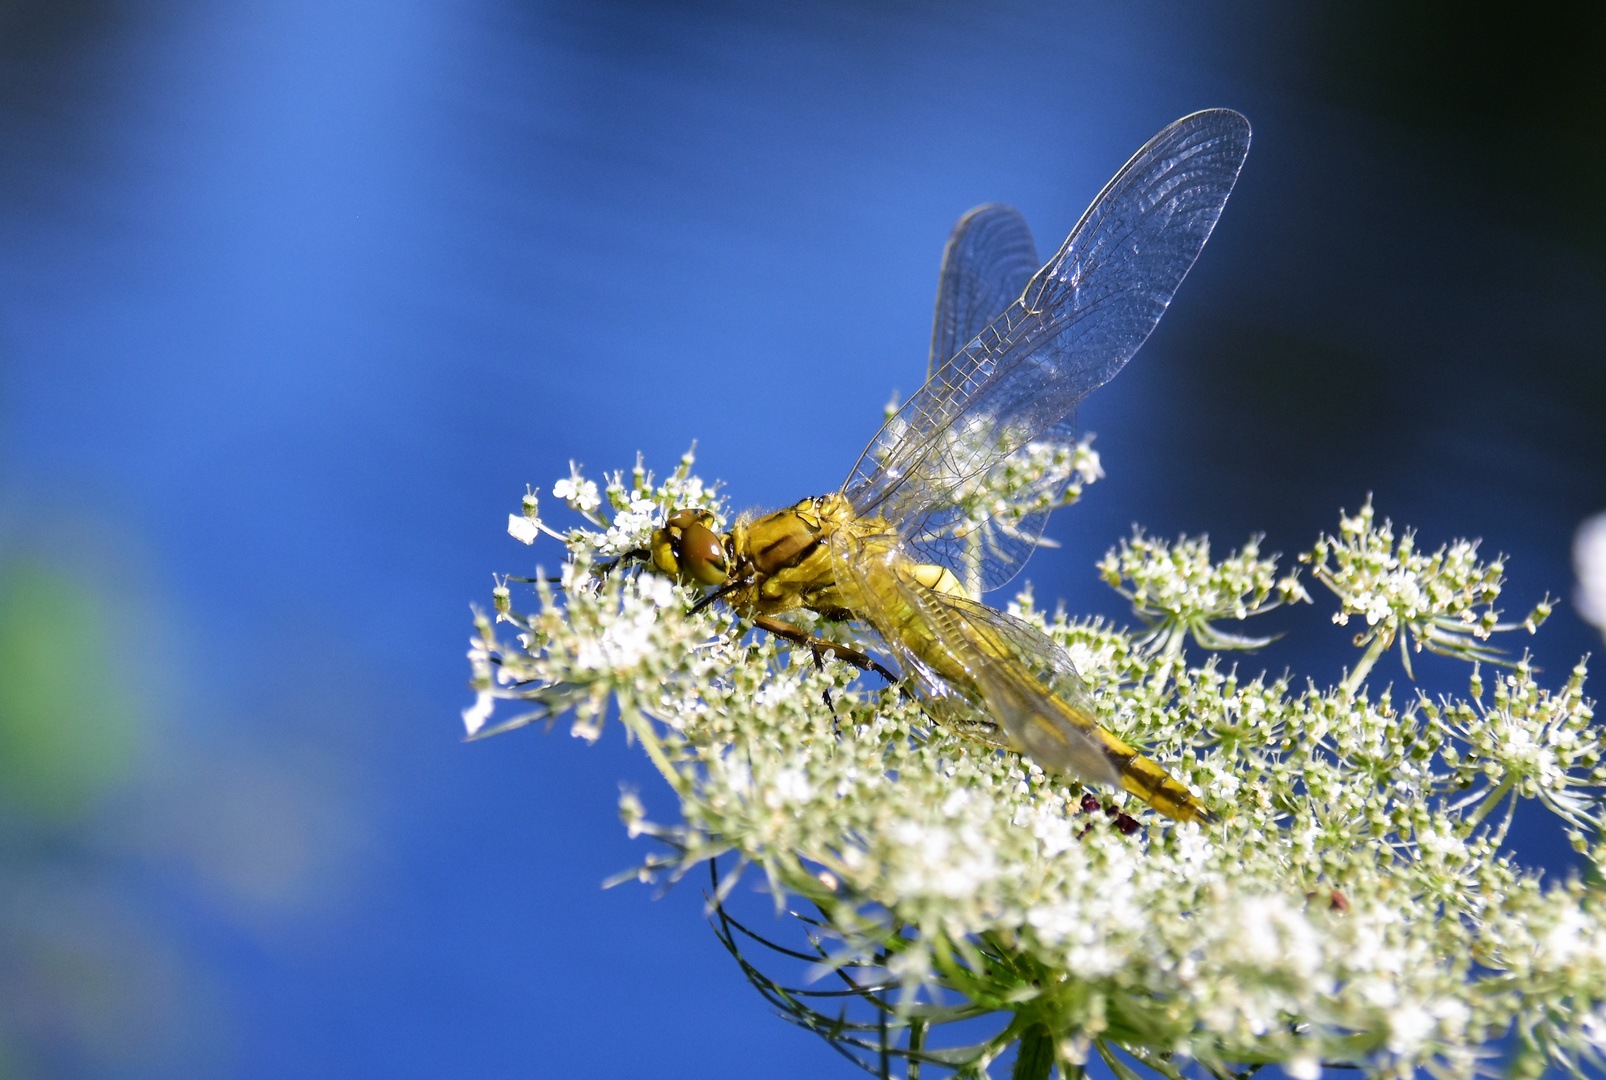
point(1374, 651)
point(1160, 1063)
point(1169, 656)
point(642, 729)
point(1034, 1056)
point(1492, 800)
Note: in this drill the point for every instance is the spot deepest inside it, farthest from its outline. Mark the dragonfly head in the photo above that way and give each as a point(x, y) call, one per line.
point(688, 548)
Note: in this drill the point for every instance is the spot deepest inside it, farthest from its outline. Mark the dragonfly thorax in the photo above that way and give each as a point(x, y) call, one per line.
point(788, 538)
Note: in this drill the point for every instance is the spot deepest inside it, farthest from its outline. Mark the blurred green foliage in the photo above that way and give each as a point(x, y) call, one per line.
point(68, 734)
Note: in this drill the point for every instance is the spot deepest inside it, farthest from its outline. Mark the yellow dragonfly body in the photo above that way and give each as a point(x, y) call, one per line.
point(911, 537)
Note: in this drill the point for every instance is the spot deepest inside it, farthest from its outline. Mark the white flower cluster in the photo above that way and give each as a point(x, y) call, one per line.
point(1433, 599)
point(1178, 591)
point(1352, 908)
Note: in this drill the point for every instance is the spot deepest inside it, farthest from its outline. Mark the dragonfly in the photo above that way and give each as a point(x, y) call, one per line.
point(905, 547)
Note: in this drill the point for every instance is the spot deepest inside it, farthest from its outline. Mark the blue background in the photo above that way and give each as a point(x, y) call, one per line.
point(296, 297)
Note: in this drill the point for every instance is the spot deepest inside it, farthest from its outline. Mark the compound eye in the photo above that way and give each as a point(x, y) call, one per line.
point(702, 555)
point(682, 518)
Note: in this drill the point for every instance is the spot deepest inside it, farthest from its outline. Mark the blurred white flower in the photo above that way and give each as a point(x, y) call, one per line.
point(1589, 564)
point(522, 529)
point(475, 715)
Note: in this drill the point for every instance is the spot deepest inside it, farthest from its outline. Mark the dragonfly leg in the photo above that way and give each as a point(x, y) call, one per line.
point(817, 646)
point(724, 590)
point(601, 570)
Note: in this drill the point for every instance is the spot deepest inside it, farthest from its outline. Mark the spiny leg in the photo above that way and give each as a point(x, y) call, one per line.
point(601, 570)
point(819, 645)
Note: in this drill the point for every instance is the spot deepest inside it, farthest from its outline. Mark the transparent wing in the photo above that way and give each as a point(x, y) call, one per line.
point(986, 264)
point(973, 666)
point(1010, 390)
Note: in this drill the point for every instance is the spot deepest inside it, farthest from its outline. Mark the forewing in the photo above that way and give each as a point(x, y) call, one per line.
point(1079, 320)
point(960, 655)
point(986, 264)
